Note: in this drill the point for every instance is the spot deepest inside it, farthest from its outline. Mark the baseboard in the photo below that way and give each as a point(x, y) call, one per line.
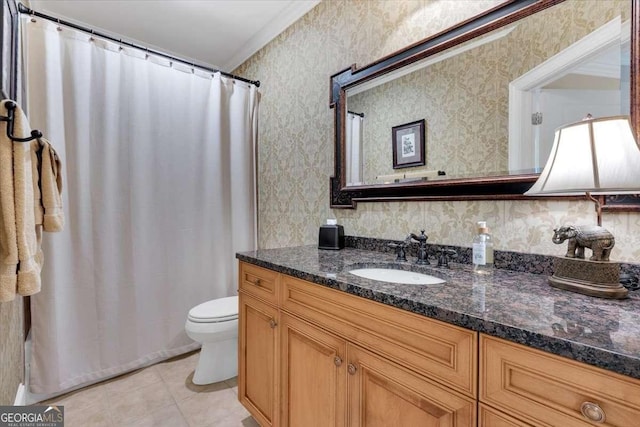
point(21, 398)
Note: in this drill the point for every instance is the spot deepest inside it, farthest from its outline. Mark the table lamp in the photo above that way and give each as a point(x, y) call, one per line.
point(595, 156)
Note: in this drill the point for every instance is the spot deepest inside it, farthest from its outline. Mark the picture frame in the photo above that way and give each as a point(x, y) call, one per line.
point(407, 144)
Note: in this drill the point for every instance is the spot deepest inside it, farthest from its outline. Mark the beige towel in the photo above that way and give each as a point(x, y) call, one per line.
point(30, 200)
point(50, 173)
point(8, 242)
point(29, 255)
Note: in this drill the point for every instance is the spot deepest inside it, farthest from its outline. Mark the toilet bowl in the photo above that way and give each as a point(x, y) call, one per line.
point(215, 325)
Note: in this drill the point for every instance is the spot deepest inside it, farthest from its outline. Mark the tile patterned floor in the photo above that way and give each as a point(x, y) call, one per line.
point(158, 396)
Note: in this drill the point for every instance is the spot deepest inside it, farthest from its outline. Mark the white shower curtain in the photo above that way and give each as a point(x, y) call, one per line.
point(159, 195)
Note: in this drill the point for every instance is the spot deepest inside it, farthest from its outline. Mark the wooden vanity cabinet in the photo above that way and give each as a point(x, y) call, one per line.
point(327, 381)
point(385, 394)
point(489, 417)
point(342, 360)
point(401, 369)
point(541, 389)
point(312, 372)
point(258, 338)
point(313, 356)
point(258, 359)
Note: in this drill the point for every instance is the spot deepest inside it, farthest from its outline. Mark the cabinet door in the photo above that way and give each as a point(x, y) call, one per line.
point(383, 394)
point(489, 417)
point(544, 389)
point(258, 359)
point(313, 375)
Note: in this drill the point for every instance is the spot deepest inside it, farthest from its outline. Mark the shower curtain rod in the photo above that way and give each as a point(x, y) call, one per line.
point(357, 114)
point(24, 9)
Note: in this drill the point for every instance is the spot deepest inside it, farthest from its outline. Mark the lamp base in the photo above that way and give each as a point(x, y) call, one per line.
point(593, 278)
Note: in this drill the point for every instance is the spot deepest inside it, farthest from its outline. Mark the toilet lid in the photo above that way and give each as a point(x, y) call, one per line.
point(217, 310)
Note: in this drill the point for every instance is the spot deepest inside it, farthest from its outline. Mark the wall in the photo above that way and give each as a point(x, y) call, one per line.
point(11, 347)
point(296, 138)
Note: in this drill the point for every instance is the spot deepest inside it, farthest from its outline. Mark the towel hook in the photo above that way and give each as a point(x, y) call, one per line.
point(11, 106)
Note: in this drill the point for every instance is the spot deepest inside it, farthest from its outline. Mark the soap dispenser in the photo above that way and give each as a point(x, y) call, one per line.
point(482, 250)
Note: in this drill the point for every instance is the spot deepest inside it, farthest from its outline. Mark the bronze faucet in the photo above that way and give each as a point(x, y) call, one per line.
point(422, 247)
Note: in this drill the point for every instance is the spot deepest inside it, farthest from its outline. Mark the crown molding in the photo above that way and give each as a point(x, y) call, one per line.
point(294, 11)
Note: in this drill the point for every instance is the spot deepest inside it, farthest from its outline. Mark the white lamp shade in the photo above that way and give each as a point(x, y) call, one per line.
point(599, 156)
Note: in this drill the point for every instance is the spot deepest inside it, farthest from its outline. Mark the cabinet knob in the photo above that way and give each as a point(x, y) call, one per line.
point(337, 361)
point(352, 369)
point(592, 412)
point(257, 282)
point(273, 323)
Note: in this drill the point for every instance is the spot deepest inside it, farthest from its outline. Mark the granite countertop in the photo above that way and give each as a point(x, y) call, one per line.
point(516, 306)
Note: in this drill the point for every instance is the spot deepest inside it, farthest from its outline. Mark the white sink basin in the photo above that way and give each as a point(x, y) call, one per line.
point(397, 276)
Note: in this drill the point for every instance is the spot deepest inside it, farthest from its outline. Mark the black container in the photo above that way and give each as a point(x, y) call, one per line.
point(331, 237)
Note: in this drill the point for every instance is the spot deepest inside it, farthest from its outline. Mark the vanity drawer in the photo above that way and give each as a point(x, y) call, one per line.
point(442, 352)
point(259, 282)
point(489, 417)
point(547, 390)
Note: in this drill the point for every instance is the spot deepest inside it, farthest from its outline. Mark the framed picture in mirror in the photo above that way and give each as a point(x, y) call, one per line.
point(408, 145)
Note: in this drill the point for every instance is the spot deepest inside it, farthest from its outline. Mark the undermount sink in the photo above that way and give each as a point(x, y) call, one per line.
point(397, 276)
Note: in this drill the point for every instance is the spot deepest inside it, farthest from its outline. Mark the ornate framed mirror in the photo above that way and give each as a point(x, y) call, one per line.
point(490, 90)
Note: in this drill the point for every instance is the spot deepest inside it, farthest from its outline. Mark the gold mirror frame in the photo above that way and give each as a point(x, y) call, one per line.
point(509, 187)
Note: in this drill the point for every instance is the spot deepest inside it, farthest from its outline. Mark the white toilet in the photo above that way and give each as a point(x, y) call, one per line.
point(215, 325)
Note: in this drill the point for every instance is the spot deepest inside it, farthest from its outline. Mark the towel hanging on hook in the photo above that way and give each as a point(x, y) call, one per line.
point(11, 106)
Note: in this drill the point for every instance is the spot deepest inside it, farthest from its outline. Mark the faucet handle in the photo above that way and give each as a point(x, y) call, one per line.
point(445, 256)
point(401, 255)
point(422, 238)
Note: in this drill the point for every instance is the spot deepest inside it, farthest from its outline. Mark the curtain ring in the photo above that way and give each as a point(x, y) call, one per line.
point(91, 39)
point(146, 55)
point(120, 48)
point(32, 14)
point(59, 28)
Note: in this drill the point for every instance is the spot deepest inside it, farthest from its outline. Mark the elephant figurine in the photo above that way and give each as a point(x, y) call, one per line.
point(596, 238)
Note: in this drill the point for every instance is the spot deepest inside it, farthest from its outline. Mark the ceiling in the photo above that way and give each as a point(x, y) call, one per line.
point(218, 33)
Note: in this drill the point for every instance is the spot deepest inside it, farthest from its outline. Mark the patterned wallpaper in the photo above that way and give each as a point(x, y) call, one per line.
point(11, 347)
point(296, 136)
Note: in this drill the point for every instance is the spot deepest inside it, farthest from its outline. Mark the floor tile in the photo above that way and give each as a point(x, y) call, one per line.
point(249, 422)
point(240, 418)
point(138, 403)
point(96, 415)
point(178, 375)
point(132, 381)
point(233, 382)
point(168, 416)
point(160, 395)
point(186, 361)
point(79, 398)
point(202, 409)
